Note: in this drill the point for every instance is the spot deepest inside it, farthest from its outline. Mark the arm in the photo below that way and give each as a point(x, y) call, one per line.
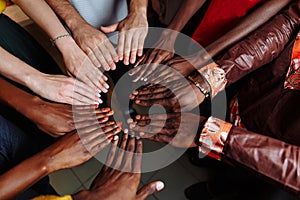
point(52, 118)
point(269, 158)
point(73, 56)
point(250, 23)
point(87, 37)
point(258, 49)
point(54, 158)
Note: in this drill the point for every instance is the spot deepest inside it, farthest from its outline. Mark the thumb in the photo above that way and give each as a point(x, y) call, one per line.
point(109, 29)
point(149, 189)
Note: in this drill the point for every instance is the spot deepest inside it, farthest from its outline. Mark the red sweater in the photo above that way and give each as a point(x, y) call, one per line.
point(221, 17)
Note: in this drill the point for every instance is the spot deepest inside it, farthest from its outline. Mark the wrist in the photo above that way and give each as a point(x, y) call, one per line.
point(213, 137)
point(138, 7)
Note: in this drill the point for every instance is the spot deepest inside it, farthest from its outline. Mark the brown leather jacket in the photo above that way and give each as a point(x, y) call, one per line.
point(265, 106)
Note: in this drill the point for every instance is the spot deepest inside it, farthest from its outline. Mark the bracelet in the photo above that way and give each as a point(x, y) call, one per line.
point(202, 89)
point(59, 37)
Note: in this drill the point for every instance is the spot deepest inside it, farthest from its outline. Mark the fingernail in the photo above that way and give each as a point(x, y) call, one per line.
point(121, 58)
point(138, 117)
point(105, 90)
point(100, 101)
point(132, 135)
point(159, 186)
point(138, 137)
point(99, 91)
point(116, 138)
point(142, 134)
point(142, 79)
point(125, 131)
point(106, 85)
point(145, 79)
point(99, 95)
point(96, 103)
point(129, 121)
point(105, 78)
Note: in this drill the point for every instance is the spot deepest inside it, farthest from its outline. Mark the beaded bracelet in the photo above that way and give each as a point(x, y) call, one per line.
point(59, 37)
point(202, 89)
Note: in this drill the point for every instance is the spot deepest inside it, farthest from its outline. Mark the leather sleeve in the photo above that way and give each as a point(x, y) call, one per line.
point(269, 158)
point(262, 46)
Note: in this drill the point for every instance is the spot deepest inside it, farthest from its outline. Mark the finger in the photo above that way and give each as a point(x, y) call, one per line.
point(150, 189)
point(112, 152)
point(94, 59)
point(127, 47)
point(137, 165)
point(113, 54)
point(166, 94)
point(140, 61)
point(108, 60)
point(163, 102)
point(134, 48)
point(141, 42)
point(150, 90)
point(121, 42)
point(99, 55)
point(128, 156)
point(121, 150)
point(158, 116)
point(150, 129)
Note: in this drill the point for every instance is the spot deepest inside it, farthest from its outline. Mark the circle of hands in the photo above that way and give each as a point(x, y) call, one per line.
point(89, 129)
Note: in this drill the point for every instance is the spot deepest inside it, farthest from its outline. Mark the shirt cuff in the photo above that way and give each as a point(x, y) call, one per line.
point(213, 137)
point(215, 76)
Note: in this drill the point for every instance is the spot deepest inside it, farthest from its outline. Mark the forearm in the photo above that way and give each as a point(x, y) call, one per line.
point(44, 16)
point(67, 13)
point(23, 176)
point(139, 6)
point(269, 158)
point(186, 11)
point(274, 160)
point(10, 95)
point(250, 23)
point(17, 70)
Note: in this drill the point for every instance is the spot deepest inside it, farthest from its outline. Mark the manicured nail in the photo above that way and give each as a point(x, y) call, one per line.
point(99, 95)
point(142, 134)
point(105, 90)
point(132, 135)
point(100, 101)
point(138, 117)
point(106, 86)
point(105, 78)
point(145, 79)
point(142, 79)
point(116, 138)
point(96, 103)
point(129, 121)
point(138, 137)
point(159, 186)
point(99, 91)
point(126, 131)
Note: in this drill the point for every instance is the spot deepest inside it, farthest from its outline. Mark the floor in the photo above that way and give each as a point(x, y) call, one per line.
point(177, 176)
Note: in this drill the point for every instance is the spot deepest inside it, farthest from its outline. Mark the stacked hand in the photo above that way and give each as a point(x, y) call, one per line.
point(176, 129)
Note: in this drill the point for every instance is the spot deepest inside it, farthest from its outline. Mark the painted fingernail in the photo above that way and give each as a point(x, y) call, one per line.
point(99, 91)
point(159, 186)
point(106, 86)
point(138, 137)
point(96, 103)
point(142, 79)
point(99, 95)
point(126, 131)
point(105, 90)
point(129, 121)
point(138, 117)
point(100, 101)
point(121, 57)
point(132, 135)
point(105, 78)
point(116, 138)
point(145, 79)
point(142, 134)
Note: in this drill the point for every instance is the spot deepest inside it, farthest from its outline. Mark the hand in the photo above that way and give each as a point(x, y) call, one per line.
point(163, 51)
point(176, 129)
point(173, 94)
point(132, 33)
point(97, 46)
point(77, 148)
point(63, 89)
point(80, 66)
point(122, 179)
point(58, 119)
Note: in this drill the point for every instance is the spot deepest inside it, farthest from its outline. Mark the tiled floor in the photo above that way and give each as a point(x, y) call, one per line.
point(177, 176)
